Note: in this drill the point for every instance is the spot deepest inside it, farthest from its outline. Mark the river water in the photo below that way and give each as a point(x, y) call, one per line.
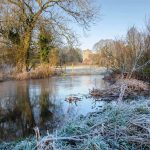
point(42, 102)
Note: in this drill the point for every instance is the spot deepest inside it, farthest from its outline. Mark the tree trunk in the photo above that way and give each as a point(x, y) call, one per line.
point(23, 52)
point(24, 49)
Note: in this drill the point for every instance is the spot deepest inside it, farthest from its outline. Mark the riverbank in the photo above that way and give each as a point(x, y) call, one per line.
point(121, 126)
point(41, 72)
point(128, 89)
point(118, 125)
point(46, 71)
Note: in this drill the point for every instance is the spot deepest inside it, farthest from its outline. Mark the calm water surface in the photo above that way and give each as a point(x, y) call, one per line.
point(24, 104)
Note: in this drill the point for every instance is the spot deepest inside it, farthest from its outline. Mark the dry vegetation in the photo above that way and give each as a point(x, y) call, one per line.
point(42, 71)
point(133, 89)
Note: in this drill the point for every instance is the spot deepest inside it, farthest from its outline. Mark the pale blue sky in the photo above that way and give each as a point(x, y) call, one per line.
point(116, 17)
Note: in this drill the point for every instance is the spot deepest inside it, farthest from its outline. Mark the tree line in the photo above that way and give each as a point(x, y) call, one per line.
point(32, 31)
point(130, 55)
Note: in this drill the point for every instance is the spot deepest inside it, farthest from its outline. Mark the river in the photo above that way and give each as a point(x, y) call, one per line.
point(42, 103)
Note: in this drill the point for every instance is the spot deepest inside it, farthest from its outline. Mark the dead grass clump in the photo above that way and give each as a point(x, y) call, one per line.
point(134, 84)
point(42, 71)
point(133, 88)
point(22, 76)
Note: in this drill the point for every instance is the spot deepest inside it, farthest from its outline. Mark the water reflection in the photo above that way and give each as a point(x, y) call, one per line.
point(16, 114)
point(24, 104)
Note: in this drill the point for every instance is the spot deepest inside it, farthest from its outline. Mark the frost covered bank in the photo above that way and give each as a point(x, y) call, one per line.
point(121, 126)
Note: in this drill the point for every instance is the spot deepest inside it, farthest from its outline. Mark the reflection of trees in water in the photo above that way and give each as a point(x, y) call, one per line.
point(51, 112)
point(17, 115)
point(45, 105)
point(17, 118)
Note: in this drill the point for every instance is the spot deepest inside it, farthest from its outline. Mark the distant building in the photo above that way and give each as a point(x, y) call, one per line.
point(87, 56)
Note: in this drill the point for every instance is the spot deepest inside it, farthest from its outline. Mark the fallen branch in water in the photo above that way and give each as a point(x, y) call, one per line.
point(73, 99)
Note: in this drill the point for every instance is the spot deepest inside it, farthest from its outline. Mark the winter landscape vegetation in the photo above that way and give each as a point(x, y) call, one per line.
point(74, 75)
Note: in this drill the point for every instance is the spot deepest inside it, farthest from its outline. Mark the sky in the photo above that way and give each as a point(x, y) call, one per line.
point(115, 19)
